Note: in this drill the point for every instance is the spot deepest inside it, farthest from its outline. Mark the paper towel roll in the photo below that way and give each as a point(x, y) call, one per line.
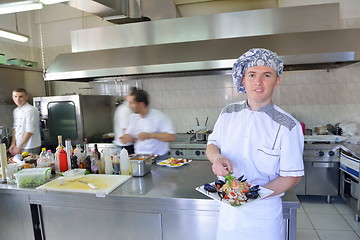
point(3, 160)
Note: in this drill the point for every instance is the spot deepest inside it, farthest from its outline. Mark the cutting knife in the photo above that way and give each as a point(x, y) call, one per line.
point(89, 184)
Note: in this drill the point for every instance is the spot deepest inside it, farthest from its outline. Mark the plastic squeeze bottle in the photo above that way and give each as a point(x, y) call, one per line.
point(124, 162)
point(63, 160)
point(108, 163)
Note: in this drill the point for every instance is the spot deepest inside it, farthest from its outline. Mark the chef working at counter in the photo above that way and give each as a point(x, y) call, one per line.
point(121, 122)
point(26, 130)
point(150, 129)
point(257, 139)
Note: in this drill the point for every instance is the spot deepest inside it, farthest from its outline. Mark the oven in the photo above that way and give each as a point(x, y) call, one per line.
point(322, 170)
point(75, 117)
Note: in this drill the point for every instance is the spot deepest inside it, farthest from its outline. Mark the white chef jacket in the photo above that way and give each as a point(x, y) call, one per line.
point(155, 122)
point(121, 121)
point(26, 119)
point(261, 145)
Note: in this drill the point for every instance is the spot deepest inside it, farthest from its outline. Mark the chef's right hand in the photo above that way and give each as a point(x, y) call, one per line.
point(221, 166)
point(126, 138)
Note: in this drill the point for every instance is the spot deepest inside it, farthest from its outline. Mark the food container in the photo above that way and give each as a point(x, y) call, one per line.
point(22, 62)
point(71, 175)
point(140, 164)
point(32, 177)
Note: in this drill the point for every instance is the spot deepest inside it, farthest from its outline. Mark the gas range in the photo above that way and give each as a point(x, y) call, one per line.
point(186, 147)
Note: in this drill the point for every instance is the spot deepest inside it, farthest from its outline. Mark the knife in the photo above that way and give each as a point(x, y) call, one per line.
point(89, 184)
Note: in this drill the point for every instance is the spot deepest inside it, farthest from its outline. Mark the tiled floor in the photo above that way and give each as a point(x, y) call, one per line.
point(317, 220)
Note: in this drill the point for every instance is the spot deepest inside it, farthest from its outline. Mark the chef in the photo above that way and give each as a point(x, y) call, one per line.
point(26, 130)
point(257, 139)
point(121, 121)
point(150, 129)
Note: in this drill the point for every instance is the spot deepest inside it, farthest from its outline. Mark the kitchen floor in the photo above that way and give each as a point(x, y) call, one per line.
point(317, 220)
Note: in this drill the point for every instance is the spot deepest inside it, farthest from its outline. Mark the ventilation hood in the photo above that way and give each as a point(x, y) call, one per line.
point(304, 37)
point(127, 11)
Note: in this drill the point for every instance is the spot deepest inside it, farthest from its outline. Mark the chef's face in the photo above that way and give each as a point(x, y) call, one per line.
point(19, 98)
point(259, 82)
point(134, 105)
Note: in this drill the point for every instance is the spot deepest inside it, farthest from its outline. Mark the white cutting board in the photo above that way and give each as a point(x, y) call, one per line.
point(105, 183)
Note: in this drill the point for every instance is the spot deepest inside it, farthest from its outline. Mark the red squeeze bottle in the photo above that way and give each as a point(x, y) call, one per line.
point(63, 160)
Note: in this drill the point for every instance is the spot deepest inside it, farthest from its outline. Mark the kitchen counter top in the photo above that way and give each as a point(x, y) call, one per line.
point(161, 183)
point(163, 202)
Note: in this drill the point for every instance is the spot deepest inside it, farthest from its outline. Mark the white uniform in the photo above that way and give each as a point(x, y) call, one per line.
point(262, 145)
point(155, 122)
point(26, 119)
point(121, 121)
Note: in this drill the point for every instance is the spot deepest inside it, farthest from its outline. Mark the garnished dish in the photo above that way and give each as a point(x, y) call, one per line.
point(174, 162)
point(234, 191)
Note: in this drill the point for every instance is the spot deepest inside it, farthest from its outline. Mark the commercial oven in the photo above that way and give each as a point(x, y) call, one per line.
point(75, 117)
point(321, 165)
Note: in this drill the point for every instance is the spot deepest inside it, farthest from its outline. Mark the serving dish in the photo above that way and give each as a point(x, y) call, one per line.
point(262, 192)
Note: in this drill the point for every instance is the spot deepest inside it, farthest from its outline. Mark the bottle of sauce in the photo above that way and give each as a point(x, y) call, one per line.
point(108, 163)
point(124, 162)
point(116, 164)
point(63, 160)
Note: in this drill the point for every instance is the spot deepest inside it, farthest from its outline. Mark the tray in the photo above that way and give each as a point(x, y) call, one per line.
point(263, 192)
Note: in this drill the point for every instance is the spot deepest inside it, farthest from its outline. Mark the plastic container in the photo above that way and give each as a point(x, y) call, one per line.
point(2, 58)
point(32, 177)
point(74, 174)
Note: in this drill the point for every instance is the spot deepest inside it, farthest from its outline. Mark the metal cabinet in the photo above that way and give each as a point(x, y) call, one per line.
point(16, 220)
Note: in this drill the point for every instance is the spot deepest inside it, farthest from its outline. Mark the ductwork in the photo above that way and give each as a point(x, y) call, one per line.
point(305, 37)
point(127, 11)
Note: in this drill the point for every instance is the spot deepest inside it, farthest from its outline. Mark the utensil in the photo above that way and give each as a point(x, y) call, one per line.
point(89, 184)
point(207, 118)
point(197, 122)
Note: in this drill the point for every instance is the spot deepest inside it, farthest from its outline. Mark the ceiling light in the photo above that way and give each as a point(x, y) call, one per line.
point(14, 35)
point(21, 6)
point(48, 2)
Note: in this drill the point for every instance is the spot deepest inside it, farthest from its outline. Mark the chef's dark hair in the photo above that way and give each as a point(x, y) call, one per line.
point(140, 96)
point(20, 90)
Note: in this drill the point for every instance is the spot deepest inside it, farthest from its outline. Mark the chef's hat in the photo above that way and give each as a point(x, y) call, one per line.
point(255, 57)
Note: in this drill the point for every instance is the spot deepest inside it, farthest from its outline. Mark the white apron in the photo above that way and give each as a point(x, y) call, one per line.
point(262, 219)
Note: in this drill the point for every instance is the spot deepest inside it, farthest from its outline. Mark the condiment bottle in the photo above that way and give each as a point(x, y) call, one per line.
point(108, 163)
point(78, 154)
point(124, 162)
point(116, 164)
point(63, 160)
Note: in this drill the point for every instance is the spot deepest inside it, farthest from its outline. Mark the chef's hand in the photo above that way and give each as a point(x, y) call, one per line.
point(221, 166)
point(14, 150)
point(126, 138)
point(143, 136)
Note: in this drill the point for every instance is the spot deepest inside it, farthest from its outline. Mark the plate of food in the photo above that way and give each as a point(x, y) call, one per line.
point(234, 191)
point(174, 162)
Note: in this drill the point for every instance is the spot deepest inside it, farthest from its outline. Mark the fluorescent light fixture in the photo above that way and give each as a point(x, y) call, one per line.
point(21, 6)
point(14, 35)
point(48, 2)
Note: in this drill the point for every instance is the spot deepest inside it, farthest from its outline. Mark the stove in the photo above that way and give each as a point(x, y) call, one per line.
point(187, 147)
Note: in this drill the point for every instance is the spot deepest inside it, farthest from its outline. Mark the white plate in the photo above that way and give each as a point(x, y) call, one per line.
point(167, 163)
point(263, 192)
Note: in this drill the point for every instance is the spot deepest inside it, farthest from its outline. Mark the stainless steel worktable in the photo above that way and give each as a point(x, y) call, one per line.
point(161, 205)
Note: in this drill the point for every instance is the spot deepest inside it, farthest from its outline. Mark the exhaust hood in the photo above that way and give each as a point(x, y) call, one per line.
point(305, 37)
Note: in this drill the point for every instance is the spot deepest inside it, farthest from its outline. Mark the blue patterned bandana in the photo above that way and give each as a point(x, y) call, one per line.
point(255, 57)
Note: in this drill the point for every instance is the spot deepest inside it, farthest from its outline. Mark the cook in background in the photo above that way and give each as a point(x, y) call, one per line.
point(121, 122)
point(150, 129)
point(26, 130)
point(257, 139)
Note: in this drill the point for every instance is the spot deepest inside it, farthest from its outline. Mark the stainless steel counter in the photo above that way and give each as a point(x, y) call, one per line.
point(163, 202)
